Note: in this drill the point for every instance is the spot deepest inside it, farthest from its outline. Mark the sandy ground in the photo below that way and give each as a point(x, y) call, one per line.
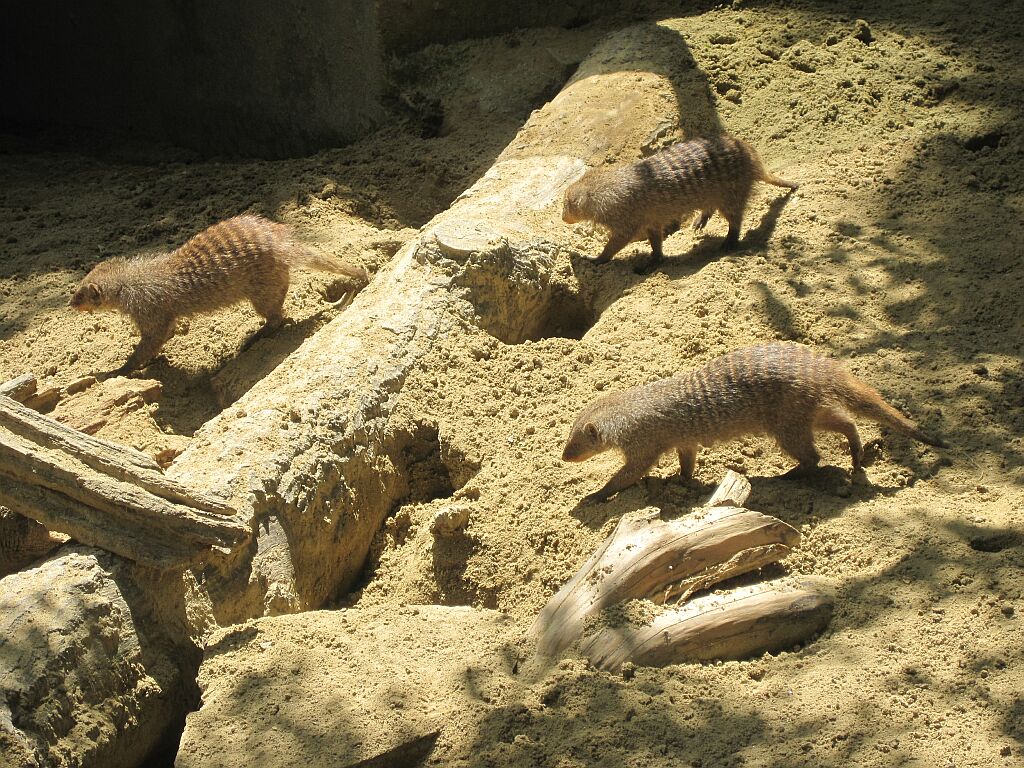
point(901, 254)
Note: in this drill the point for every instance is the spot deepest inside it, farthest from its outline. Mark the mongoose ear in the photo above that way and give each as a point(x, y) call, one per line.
point(591, 430)
point(95, 290)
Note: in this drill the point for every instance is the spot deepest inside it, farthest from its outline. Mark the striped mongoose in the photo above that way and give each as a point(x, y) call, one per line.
point(649, 198)
point(246, 257)
point(785, 390)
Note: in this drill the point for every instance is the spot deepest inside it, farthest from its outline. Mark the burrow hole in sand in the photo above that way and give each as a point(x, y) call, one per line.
point(433, 469)
point(560, 310)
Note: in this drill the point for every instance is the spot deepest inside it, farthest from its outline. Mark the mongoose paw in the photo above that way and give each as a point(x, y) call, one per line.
point(594, 498)
point(701, 221)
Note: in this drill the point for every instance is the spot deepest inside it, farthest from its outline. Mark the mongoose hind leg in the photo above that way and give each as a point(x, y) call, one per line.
point(702, 220)
point(798, 442)
point(630, 474)
point(732, 239)
point(735, 205)
point(834, 421)
point(269, 304)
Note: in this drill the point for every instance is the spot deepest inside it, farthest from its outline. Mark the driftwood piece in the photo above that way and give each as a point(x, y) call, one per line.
point(20, 389)
point(747, 622)
point(106, 495)
point(649, 558)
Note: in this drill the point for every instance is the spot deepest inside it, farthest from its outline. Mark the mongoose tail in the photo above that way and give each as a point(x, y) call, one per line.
point(309, 258)
point(763, 173)
point(866, 401)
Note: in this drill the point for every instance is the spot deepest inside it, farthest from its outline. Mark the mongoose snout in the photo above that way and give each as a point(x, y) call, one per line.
point(582, 444)
point(785, 390)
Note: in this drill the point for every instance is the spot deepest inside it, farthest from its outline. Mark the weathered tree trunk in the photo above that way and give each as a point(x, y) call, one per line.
point(107, 495)
point(22, 541)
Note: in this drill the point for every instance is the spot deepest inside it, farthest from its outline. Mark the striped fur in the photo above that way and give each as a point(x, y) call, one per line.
point(785, 390)
point(246, 257)
point(648, 199)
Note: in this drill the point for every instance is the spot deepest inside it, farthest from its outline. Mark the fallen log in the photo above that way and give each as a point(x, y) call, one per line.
point(764, 618)
point(107, 495)
point(648, 558)
point(313, 453)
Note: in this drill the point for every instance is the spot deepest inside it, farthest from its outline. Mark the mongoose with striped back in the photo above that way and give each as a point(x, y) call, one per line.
point(649, 198)
point(246, 257)
point(785, 390)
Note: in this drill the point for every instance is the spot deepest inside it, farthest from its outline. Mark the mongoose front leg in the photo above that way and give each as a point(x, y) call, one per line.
point(617, 242)
point(687, 461)
point(154, 336)
point(630, 474)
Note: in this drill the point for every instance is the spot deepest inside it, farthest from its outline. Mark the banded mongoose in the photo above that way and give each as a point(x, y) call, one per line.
point(246, 257)
point(649, 198)
point(785, 390)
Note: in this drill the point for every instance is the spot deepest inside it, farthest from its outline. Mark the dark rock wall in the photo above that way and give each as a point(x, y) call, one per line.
point(266, 77)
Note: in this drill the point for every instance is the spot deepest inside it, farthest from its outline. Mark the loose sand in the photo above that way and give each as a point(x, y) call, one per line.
point(901, 253)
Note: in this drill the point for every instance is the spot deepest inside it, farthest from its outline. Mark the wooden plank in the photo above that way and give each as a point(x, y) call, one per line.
point(19, 389)
point(108, 401)
point(104, 456)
